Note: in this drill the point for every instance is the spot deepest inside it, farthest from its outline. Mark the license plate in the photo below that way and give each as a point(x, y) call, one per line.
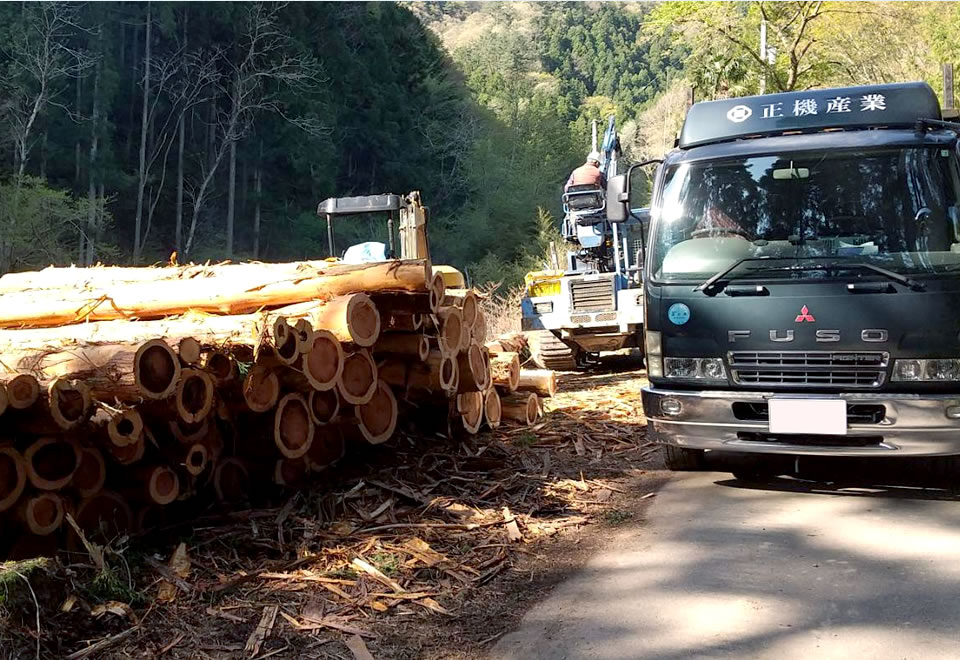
point(809, 416)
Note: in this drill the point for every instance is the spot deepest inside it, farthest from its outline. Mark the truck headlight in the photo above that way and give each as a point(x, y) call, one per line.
point(694, 368)
point(654, 351)
point(931, 370)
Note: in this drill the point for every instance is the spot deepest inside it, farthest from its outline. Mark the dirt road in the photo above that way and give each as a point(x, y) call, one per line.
point(785, 570)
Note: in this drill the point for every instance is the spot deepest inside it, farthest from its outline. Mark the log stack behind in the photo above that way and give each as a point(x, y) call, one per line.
point(126, 390)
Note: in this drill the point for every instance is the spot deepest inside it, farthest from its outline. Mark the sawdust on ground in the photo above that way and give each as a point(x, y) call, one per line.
point(421, 548)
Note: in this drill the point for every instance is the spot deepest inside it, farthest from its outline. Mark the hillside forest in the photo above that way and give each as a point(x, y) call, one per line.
point(130, 131)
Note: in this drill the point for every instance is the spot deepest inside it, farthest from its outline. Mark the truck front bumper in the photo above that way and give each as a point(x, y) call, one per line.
point(911, 425)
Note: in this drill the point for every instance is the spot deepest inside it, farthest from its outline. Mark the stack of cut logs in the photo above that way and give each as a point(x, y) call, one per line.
point(125, 390)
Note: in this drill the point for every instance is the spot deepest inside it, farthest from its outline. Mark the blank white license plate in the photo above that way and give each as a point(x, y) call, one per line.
point(814, 416)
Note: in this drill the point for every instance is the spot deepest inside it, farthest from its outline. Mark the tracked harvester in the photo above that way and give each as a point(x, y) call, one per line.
point(592, 302)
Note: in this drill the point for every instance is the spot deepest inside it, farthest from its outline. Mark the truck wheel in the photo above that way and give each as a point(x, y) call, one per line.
point(680, 459)
point(550, 352)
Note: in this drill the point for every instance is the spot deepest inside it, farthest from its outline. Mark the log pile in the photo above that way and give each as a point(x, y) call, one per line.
point(126, 390)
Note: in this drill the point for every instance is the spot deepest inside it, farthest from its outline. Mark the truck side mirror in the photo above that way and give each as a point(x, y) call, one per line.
point(618, 196)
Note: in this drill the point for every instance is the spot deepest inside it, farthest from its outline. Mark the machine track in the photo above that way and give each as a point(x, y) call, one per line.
point(551, 353)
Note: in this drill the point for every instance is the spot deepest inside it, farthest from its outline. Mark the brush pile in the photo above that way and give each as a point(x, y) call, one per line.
point(124, 390)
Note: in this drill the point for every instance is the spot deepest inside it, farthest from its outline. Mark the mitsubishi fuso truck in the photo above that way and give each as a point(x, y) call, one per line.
point(802, 278)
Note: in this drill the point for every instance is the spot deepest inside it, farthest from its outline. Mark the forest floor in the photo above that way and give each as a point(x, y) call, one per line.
point(413, 549)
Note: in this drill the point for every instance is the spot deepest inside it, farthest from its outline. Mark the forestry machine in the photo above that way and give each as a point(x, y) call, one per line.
point(592, 302)
point(412, 230)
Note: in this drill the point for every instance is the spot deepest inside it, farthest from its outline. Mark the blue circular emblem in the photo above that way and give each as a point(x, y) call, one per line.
point(678, 313)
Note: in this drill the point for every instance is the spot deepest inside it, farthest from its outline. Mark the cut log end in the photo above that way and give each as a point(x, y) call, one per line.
point(522, 408)
point(479, 331)
point(156, 369)
point(505, 370)
point(195, 459)
point(91, 473)
point(363, 320)
point(13, 477)
point(70, 403)
point(450, 322)
point(51, 462)
point(293, 426)
point(470, 408)
point(304, 331)
point(221, 366)
point(324, 406)
point(378, 417)
point(106, 515)
point(43, 513)
point(23, 391)
point(285, 341)
point(194, 399)
point(492, 411)
point(539, 381)
point(162, 484)
point(327, 448)
point(359, 379)
point(261, 388)
point(231, 480)
point(125, 428)
point(188, 350)
point(323, 363)
point(290, 471)
point(128, 454)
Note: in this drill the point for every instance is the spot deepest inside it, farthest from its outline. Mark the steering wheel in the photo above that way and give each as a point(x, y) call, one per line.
point(713, 231)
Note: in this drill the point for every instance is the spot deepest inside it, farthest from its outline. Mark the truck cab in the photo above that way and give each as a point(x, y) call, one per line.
point(802, 279)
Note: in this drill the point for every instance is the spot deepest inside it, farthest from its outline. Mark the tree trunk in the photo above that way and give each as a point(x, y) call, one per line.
point(76, 144)
point(144, 121)
point(376, 420)
point(179, 208)
point(87, 256)
point(212, 295)
point(358, 382)
point(540, 381)
point(523, 408)
point(505, 370)
point(231, 198)
point(127, 372)
point(257, 192)
point(492, 411)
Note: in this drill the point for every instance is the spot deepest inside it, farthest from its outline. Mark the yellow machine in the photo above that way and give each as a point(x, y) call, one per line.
point(411, 217)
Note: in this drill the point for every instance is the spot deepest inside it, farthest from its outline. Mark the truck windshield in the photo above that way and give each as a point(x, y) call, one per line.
point(896, 208)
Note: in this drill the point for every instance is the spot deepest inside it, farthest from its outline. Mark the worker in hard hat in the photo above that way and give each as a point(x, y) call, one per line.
point(588, 174)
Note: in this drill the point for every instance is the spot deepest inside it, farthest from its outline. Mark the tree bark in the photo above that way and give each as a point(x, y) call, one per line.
point(178, 212)
point(505, 370)
point(521, 407)
point(257, 192)
point(144, 120)
point(231, 198)
point(87, 255)
point(540, 381)
point(153, 300)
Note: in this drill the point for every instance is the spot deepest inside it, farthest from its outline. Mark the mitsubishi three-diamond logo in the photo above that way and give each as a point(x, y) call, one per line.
point(804, 316)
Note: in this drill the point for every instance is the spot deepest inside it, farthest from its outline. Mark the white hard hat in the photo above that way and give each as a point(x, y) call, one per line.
point(594, 156)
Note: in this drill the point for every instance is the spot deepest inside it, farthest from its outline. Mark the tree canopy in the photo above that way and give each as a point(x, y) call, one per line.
point(132, 130)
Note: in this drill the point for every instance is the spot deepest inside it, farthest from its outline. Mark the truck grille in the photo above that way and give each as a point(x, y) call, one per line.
point(828, 369)
point(592, 295)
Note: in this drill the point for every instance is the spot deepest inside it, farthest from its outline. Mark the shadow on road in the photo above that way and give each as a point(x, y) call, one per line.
point(905, 478)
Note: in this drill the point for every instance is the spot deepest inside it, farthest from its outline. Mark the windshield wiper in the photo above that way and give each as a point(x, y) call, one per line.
point(708, 283)
point(879, 270)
